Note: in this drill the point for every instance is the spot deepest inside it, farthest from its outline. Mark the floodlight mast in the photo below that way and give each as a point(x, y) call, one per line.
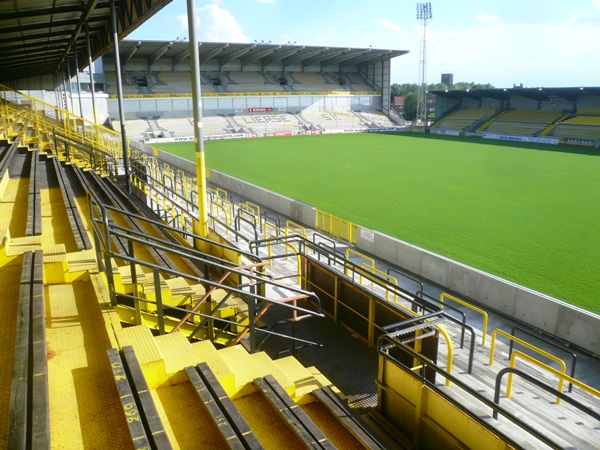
point(424, 14)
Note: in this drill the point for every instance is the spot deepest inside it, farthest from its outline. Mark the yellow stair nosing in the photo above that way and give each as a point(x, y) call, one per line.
point(176, 350)
point(140, 337)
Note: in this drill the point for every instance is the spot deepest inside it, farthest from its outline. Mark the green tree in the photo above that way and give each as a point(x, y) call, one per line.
point(410, 106)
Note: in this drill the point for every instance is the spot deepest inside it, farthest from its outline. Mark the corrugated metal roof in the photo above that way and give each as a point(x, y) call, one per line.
point(38, 37)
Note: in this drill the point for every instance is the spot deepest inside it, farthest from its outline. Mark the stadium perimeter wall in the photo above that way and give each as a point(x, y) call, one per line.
point(553, 316)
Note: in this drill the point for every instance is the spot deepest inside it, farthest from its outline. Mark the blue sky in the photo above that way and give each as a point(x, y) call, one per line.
point(549, 43)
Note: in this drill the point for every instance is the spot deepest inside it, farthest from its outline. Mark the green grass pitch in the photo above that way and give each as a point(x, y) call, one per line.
point(527, 213)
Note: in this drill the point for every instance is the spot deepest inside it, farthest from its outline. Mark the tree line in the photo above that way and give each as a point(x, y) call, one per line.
point(409, 92)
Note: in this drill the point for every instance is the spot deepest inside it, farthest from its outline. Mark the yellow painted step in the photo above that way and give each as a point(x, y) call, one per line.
point(125, 279)
point(246, 368)
point(178, 354)
point(82, 261)
point(55, 263)
point(228, 310)
point(20, 245)
point(206, 352)
point(304, 378)
point(149, 292)
point(181, 291)
point(5, 247)
point(147, 352)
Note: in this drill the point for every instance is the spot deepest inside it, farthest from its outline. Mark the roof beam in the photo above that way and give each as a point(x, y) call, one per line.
point(300, 56)
point(87, 12)
point(21, 47)
point(314, 59)
point(232, 56)
point(349, 54)
point(129, 53)
point(41, 12)
point(158, 53)
point(368, 56)
point(329, 56)
point(37, 26)
point(256, 55)
point(279, 55)
point(44, 53)
point(181, 56)
point(32, 37)
point(210, 54)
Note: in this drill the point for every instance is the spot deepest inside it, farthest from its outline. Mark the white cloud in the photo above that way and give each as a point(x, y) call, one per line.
point(386, 24)
point(215, 24)
point(597, 4)
point(486, 18)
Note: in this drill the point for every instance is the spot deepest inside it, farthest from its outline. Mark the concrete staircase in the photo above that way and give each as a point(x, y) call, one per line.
point(242, 376)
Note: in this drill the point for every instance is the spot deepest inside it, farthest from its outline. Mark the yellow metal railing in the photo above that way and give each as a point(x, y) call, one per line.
point(531, 347)
point(335, 226)
point(214, 211)
point(561, 375)
point(445, 295)
point(294, 228)
point(349, 251)
point(385, 276)
point(20, 109)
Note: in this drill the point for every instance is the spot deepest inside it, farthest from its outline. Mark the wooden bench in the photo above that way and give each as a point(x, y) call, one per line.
point(29, 425)
point(34, 202)
point(301, 424)
point(79, 233)
point(145, 425)
point(230, 422)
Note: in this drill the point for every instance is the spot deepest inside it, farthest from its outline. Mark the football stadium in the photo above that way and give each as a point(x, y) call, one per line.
point(242, 245)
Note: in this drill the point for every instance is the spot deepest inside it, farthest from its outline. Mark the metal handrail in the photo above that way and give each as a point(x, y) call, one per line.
point(390, 269)
point(436, 303)
point(526, 345)
point(423, 321)
point(348, 265)
point(562, 376)
point(257, 278)
point(252, 276)
point(533, 380)
point(444, 295)
point(185, 234)
point(496, 408)
point(549, 342)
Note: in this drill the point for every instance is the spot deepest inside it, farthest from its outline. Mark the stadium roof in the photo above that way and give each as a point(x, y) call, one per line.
point(179, 51)
point(37, 37)
point(534, 93)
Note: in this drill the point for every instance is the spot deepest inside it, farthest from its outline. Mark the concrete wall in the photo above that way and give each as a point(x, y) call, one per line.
point(298, 212)
point(549, 314)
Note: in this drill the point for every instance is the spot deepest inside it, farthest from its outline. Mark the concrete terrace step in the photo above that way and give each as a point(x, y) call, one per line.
point(247, 367)
point(146, 349)
point(534, 406)
point(305, 380)
point(206, 352)
point(177, 353)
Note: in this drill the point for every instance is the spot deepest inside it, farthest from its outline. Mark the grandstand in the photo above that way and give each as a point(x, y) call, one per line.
point(239, 80)
point(128, 325)
point(556, 115)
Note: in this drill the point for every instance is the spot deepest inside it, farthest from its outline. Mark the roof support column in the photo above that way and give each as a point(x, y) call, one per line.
point(198, 131)
point(92, 88)
point(78, 83)
point(72, 121)
point(113, 20)
point(70, 87)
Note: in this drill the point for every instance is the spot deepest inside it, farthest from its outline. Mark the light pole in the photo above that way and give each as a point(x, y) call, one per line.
point(424, 14)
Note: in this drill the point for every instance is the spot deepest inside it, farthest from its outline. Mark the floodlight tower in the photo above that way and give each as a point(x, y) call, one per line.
point(423, 14)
